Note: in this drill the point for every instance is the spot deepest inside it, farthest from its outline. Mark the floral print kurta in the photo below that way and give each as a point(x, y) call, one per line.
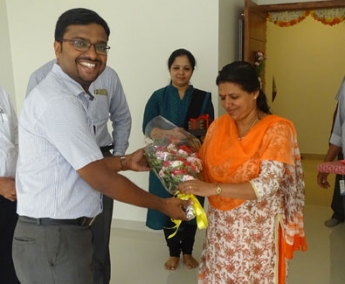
point(244, 237)
point(240, 244)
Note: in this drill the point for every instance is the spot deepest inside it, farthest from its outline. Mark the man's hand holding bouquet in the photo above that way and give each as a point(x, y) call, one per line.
point(172, 154)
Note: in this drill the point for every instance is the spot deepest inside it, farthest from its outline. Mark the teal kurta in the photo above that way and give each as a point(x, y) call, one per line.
point(167, 103)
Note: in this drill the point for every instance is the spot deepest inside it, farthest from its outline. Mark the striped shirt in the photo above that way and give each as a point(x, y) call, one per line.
point(56, 138)
point(109, 103)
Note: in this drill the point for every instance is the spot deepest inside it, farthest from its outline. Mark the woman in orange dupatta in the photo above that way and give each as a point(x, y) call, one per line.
point(254, 184)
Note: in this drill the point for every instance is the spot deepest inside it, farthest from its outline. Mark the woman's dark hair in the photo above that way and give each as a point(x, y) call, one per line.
point(244, 75)
point(78, 16)
point(181, 52)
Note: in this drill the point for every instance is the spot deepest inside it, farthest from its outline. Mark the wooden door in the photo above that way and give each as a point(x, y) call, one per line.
point(254, 38)
point(254, 30)
point(255, 22)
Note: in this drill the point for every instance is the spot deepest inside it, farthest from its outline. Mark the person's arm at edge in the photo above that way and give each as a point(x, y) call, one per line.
point(333, 150)
point(7, 188)
point(7, 183)
point(332, 153)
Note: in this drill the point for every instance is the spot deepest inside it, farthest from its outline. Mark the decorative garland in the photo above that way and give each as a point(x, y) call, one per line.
point(290, 18)
point(287, 18)
point(329, 16)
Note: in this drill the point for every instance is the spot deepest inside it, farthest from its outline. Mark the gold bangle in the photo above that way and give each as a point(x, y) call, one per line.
point(123, 162)
point(218, 190)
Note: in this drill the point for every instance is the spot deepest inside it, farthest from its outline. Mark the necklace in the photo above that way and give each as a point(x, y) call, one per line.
point(255, 121)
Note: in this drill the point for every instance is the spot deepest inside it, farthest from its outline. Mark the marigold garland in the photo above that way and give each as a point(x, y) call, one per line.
point(287, 18)
point(329, 16)
point(290, 18)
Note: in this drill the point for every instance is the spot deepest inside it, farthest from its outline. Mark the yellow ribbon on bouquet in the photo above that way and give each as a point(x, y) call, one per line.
point(200, 215)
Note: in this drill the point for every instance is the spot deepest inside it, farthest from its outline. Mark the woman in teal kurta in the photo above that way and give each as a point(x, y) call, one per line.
point(172, 102)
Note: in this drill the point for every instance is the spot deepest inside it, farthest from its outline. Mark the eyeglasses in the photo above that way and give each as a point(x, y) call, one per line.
point(83, 45)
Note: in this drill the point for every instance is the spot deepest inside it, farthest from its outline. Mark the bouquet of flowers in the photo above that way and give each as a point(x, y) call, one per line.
point(173, 163)
point(172, 155)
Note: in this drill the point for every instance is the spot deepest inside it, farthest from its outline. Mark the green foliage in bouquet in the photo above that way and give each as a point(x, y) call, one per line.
point(173, 163)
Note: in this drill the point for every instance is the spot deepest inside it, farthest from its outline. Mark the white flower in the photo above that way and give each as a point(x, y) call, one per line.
point(172, 146)
point(196, 162)
point(161, 155)
point(182, 153)
point(187, 177)
point(176, 164)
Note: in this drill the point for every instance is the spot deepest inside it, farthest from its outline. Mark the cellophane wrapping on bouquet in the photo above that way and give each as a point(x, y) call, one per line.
point(174, 158)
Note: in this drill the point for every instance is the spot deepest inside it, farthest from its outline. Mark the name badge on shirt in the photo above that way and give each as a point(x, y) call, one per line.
point(102, 92)
point(3, 116)
point(342, 187)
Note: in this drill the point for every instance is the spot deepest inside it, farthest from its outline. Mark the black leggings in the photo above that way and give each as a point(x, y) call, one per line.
point(8, 221)
point(183, 241)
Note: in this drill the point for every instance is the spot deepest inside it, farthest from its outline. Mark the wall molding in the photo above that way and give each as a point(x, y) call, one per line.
point(313, 156)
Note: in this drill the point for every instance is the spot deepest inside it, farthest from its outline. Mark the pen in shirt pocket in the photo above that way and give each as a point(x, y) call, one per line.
point(1, 113)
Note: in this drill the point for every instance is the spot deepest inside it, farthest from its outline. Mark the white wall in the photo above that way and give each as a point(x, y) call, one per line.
point(143, 35)
point(229, 15)
point(316, 88)
point(6, 72)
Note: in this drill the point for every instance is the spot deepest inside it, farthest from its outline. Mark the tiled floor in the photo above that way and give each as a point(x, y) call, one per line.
point(138, 255)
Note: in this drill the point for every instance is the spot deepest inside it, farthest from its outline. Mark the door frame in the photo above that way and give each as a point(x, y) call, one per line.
point(304, 6)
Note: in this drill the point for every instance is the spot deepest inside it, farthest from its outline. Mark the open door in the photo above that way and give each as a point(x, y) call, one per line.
point(254, 38)
point(254, 30)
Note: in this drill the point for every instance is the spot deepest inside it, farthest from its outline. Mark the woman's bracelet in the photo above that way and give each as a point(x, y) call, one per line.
point(218, 190)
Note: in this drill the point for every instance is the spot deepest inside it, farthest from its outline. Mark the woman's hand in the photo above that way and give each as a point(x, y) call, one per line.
point(198, 187)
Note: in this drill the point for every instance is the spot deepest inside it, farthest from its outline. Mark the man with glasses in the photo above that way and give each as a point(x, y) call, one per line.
point(107, 101)
point(8, 198)
point(61, 171)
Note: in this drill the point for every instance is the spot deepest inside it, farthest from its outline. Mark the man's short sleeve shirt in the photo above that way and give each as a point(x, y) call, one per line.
point(56, 138)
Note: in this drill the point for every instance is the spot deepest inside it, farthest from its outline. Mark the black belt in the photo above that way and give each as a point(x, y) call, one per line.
point(82, 221)
point(107, 148)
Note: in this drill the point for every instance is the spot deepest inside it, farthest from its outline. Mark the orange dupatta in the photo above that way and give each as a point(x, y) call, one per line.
point(229, 160)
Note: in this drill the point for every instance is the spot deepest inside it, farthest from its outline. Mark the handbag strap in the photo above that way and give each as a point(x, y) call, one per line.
point(194, 109)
